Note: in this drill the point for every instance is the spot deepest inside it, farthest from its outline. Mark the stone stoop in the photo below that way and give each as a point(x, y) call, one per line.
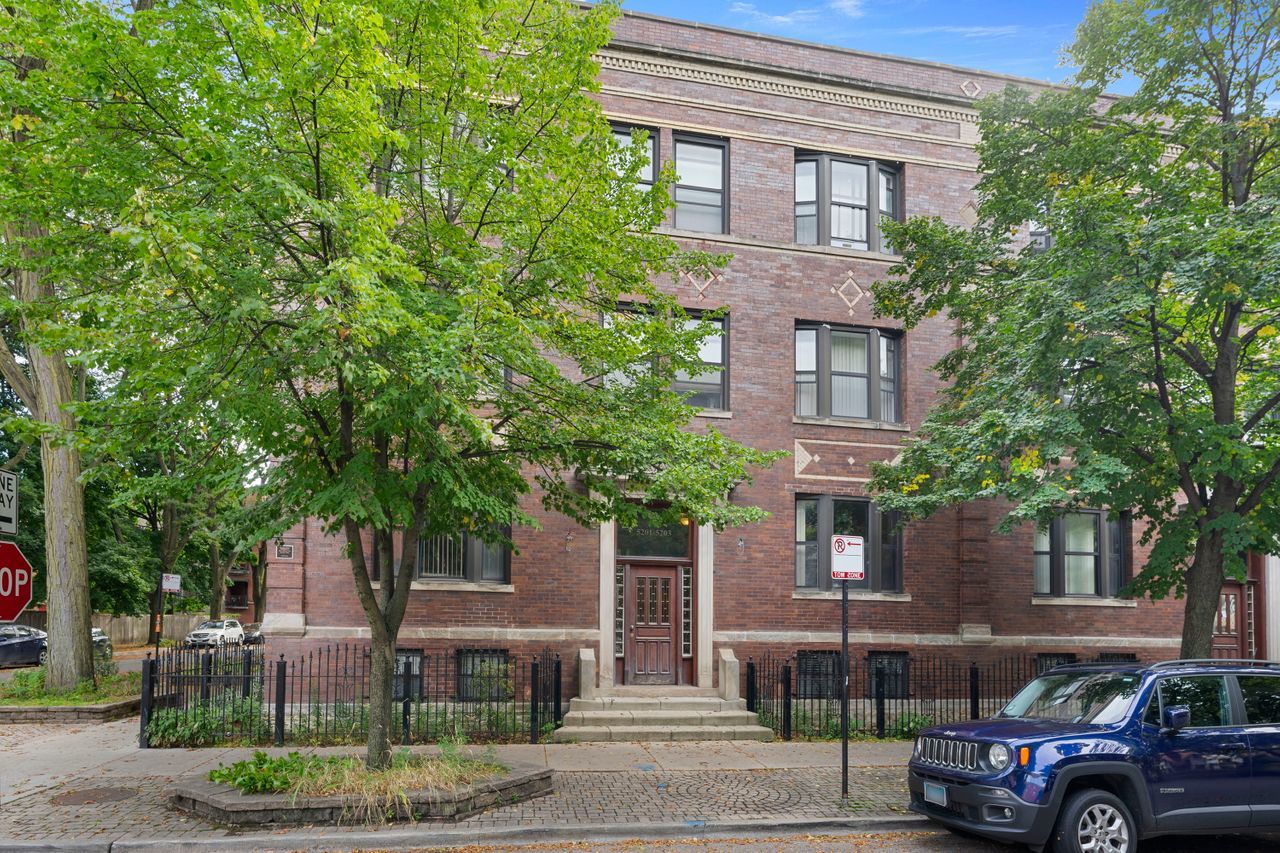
point(659, 718)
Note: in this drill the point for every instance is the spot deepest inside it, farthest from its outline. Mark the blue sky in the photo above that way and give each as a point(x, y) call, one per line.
point(1009, 36)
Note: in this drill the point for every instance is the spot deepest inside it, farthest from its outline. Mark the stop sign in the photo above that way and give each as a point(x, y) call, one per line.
point(15, 582)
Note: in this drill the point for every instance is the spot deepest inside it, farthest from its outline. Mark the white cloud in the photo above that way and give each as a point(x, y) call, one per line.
point(759, 17)
point(978, 32)
point(848, 8)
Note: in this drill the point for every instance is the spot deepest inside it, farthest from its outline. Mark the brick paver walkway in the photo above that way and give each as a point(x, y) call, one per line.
point(580, 798)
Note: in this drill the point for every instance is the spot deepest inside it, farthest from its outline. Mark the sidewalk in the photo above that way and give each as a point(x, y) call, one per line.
point(91, 788)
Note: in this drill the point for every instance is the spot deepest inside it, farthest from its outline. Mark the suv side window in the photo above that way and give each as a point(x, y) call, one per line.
point(1152, 717)
point(1261, 698)
point(1205, 695)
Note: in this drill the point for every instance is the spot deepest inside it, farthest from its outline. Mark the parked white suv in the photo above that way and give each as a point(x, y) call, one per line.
point(216, 632)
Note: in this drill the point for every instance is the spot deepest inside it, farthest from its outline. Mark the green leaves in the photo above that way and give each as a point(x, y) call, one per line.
point(1132, 364)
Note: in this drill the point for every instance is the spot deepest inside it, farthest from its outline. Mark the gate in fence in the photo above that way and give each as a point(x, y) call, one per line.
point(244, 696)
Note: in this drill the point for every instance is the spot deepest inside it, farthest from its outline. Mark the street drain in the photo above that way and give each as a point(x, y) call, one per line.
point(92, 796)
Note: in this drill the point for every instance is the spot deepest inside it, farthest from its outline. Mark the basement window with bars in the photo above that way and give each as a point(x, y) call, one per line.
point(1046, 661)
point(484, 675)
point(896, 667)
point(818, 674)
point(408, 675)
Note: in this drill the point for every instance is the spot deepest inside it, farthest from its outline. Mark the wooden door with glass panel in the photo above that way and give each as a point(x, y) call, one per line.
point(652, 623)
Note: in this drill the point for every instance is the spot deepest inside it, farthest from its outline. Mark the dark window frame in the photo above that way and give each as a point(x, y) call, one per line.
point(723, 365)
point(485, 686)
point(874, 207)
point(1111, 565)
point(655, 141)
point(875, 378)
point(679, 138)
point(873, 547)
point(473, 552)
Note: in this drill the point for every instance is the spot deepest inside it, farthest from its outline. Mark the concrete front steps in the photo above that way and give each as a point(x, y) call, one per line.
point(682, 716)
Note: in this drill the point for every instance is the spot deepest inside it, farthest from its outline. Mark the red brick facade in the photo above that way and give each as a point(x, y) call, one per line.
point(965, 589)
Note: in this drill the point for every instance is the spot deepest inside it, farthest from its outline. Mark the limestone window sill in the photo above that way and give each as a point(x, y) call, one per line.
point(851, 423)
point(1072, 601)
point(807, 248)
point(854, 595)
point(457, 586)
point(706, 413)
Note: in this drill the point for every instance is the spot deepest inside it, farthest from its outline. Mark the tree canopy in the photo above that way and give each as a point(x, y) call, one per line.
point(396, 245)
point(1132, 363)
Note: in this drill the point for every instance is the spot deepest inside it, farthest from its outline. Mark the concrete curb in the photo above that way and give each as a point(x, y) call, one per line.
point(416, 838)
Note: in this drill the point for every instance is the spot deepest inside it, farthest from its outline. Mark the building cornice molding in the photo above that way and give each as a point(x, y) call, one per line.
point(803, 85)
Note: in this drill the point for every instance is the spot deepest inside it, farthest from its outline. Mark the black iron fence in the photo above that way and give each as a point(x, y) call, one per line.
point(891, 694)
point(245, 696)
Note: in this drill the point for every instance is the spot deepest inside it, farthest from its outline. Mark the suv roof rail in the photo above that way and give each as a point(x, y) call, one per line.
point(1168, 664)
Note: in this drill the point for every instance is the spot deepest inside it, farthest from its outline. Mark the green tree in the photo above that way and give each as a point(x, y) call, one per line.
point(1134, 363)
point(382, 237)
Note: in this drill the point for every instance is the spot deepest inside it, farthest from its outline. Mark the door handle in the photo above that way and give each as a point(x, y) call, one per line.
point(1233, 746)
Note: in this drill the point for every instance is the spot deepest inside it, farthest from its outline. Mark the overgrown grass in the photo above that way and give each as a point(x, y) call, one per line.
point(377, 795)
point(27, 688)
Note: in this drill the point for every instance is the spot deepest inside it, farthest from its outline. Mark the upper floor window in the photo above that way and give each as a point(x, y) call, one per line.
point(1081, 553)
point(841, 201)
point(846, 373)
point(701, 168)
point(819, 517)
point(625, 137)
point(463, 557)
point(708, 388)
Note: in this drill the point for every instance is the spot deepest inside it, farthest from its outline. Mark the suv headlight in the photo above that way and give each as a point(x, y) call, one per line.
point(916, 750)
point(998, 756)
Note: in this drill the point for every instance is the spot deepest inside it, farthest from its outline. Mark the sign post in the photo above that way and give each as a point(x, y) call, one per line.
point(15, 582)
point(168, 583)
point(847, 563)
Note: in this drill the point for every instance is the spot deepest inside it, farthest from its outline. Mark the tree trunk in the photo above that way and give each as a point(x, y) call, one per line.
point(382, 660)
point(1204, 586)
point(67, 564)
point(218, 591)
point(66, 554)
point(258, 584)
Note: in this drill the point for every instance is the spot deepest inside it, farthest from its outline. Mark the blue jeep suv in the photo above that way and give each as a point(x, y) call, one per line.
point(1093, 757)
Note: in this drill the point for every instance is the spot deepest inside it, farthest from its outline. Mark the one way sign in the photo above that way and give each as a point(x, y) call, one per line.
point(8, 503)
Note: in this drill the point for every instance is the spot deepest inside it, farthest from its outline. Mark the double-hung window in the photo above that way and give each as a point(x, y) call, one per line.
point(819, 517)
point(846, 373)
point(708, 388)
point(1081, 553)
point(463, 557)
point(841, 201)
point(624, 137)
point(701, 181)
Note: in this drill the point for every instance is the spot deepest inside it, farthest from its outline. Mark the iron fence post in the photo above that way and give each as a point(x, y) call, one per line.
point(974, 688)
point(246, 676)
point(206, 676)
point(786, 701)
point(879, 682)
point(534, 697)
point(404, 705)
point(148, 687)
point(751, 685)
point(280, 683)
point(559, 711)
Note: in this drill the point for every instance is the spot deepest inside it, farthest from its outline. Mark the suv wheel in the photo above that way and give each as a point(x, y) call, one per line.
point(1094, 821)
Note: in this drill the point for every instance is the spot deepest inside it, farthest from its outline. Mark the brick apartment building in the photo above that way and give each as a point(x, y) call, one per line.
point(788, 155)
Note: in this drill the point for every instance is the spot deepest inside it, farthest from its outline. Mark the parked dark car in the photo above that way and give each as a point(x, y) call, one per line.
point(1096, 756)
point(22, 646)
point(253, 634)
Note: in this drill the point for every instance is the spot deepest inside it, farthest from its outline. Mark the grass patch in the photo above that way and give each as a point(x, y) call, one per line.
point(27, 688)
point(377, 795)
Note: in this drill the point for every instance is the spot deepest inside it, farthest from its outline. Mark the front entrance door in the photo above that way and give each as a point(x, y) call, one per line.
point(652, 623)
